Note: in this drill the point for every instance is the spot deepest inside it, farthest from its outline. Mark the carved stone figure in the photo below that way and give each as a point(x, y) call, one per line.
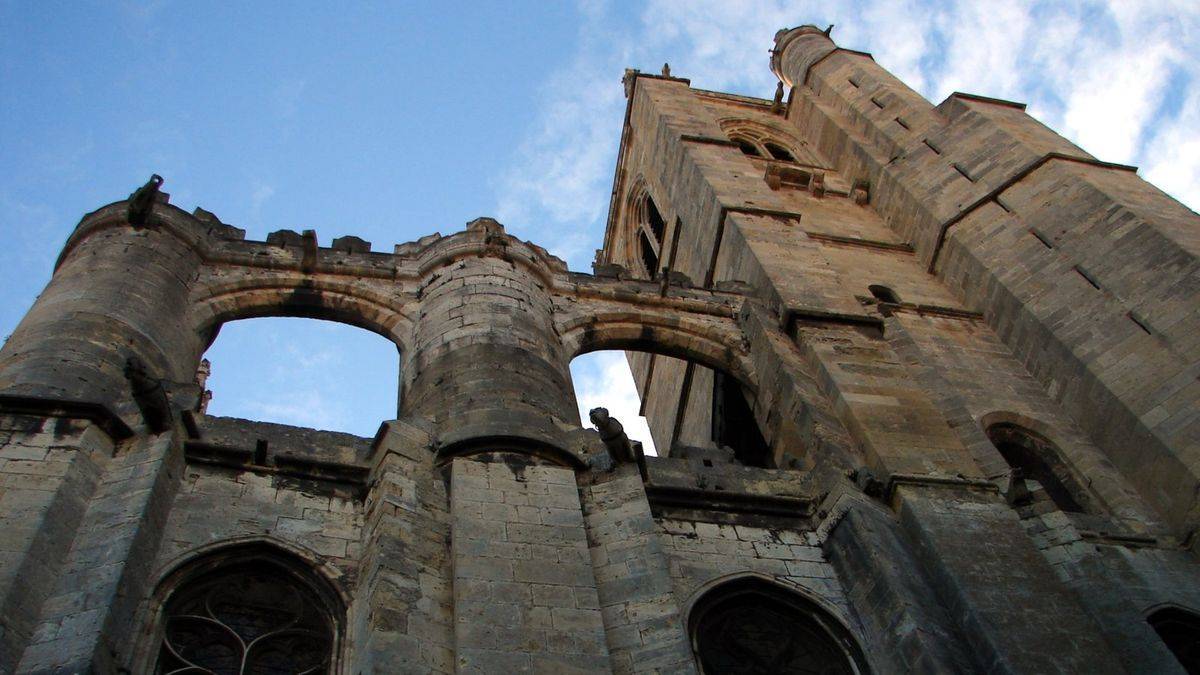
point(141, 202)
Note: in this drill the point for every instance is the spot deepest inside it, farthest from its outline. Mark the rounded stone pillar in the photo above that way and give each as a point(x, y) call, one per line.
point(796, 50)
point(117, 291)
point(485, 363)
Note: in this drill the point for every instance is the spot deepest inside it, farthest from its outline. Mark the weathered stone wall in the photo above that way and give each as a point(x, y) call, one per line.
point(483, 530)
point(524, 589)
point(51, 468)
point(1034, 233)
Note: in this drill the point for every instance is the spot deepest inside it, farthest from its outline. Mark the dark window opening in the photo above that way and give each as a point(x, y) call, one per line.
point(247, 618)
point(1036, 459)
point(779, 152)
point(747, 147)
point(1180, 630)
point(649, 257)
point(655, 220)
point(884, 294)
point(734, 424)
point(751, 628)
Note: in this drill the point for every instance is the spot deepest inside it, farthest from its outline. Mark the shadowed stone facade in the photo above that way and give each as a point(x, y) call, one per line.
point(924, 379)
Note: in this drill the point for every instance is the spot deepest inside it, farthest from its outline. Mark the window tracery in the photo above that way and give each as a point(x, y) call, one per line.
point(248, 618)
point(758, 140)
point(750, 627)
point(647, 230)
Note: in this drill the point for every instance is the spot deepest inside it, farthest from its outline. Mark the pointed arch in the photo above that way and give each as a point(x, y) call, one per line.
point(1033, 456)
point(748, 623)
point(236, 603)
point(643, 232)
point(757, 139)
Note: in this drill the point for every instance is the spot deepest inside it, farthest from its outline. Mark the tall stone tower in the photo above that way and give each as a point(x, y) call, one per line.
point(923, 379)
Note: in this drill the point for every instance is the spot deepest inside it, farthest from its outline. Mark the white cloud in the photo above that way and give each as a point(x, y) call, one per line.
point(304, 408)
point(1171, 159)
point(563, 168)
point(259, 196)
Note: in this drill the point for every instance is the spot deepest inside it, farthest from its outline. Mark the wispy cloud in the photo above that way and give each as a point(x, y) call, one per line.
point(306, 408)
point(555, 189)
point(259, 196)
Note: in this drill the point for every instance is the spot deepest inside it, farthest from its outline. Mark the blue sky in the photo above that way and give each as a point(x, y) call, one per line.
point(392, 120)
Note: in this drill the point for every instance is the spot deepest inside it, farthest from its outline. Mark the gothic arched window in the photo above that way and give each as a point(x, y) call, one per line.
point(248, 616)
point(1033, 457)
point(648, 230)
point(751, 627)
point(747, 146)
point(1180, 630)
point(779, 152)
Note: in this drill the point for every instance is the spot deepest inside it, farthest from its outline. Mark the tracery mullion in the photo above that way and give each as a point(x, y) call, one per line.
point(202, 619)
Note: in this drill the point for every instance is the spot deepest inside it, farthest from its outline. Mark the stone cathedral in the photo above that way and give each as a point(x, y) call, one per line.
point(924, 382)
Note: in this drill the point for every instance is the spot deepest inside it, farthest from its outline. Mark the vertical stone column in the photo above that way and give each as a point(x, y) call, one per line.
point(488, 373)
point(485, 360)
point(641, 615)
point(524, 591)
point(117, 291)
point(49, 469)
point(401, 621)
point(84, 622)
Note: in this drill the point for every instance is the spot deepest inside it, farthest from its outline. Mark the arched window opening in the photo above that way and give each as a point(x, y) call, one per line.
point(747, 147)
point(304, 372)
point(754, 627)
point(779, 152)
point(884, 293)
point(1180, 630)
point(1035, 458)
point(645, 233)
point(253, 616)
point(654, 220)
